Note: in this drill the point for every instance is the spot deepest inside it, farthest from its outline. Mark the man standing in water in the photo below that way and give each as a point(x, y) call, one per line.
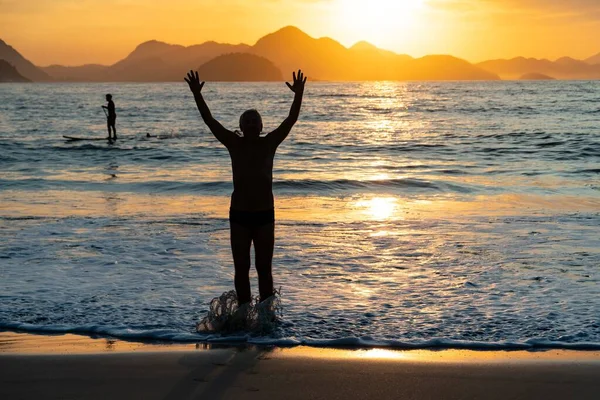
point(111, 117)
point(252, 211)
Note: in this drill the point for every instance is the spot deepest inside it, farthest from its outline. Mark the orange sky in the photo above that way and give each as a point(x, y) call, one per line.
point(73, 32)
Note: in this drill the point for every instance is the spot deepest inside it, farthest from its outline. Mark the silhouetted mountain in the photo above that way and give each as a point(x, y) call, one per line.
point(593, 60)
point(288, 49)
point(149, 69)
point(239, 67)
point(563, 68)
point(83, 73)
point(569, 62)
point(151, 49)
point(23, 66)
point(366, 47)
point(151, 61)
point(368, 62)
point(442, 67)
point(535, 77)
point(325, 59)
point(514, 68)
point(8, 73)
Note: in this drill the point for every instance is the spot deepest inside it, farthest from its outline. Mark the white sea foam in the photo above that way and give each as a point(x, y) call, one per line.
point(225, 315)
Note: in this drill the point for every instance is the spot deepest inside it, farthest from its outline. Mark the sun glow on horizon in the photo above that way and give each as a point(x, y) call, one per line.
point(377, 21)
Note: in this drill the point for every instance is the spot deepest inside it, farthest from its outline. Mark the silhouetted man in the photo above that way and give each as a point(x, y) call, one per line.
point(252, 211)
point(111, 117)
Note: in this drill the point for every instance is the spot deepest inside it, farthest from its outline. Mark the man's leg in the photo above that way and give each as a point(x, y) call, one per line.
point(264, 242)
point(241, 240)
point(114, 127)
point(108, 126)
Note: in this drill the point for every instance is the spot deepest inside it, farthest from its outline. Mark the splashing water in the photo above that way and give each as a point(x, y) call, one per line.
point(225, 315)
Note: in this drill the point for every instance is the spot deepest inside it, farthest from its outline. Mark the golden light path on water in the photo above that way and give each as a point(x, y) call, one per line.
point(353, 208)
point(379, 208)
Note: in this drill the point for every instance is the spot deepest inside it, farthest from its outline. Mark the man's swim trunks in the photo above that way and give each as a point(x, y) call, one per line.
point(252, 219)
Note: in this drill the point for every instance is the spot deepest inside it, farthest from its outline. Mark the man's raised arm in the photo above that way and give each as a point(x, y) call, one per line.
point(222, 134)
point(279, 134)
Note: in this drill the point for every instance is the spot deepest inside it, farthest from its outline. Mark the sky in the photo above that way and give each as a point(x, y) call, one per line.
point(75, 32)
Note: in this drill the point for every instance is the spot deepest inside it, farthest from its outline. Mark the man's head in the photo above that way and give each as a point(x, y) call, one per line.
point(251, 123)
point(108, 97)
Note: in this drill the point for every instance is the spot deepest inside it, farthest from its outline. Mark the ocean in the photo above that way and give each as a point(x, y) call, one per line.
point(409, 215)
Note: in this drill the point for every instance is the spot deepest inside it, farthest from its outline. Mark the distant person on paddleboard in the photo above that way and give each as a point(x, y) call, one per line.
point(252, 211)
point(111, 117)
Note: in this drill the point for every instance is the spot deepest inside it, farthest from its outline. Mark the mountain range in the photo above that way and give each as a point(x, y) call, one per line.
point(23, 66)
point(275, 55)
point(8, 73)
point(563, 68)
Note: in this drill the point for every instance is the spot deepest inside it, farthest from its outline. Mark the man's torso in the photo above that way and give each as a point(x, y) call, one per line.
point(111, 110)
point(252, 167)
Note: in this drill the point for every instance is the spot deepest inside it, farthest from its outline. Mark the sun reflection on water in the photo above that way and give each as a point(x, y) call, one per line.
point(379, 208)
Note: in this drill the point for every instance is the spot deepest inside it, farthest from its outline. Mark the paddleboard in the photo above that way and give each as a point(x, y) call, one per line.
point(81, 138)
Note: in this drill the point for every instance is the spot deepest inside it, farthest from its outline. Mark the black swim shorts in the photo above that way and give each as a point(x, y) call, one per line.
point(252, 219)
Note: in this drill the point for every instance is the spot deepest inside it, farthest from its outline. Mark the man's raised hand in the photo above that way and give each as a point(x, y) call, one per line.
point(299, 81)
point(194, 82)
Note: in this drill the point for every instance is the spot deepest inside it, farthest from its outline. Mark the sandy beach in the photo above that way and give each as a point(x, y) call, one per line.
point(78, 367)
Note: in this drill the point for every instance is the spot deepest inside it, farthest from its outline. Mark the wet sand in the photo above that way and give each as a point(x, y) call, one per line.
point(78, 367)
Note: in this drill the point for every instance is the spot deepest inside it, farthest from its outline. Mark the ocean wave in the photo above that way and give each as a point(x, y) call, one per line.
point(518, 134)
point(550, 144)
point(24, 218)
point(345, 184)
point(587, 171)
point(218, 187)
point(176, 336)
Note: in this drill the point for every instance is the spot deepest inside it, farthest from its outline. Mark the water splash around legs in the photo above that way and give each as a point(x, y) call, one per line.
point(225, 315)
